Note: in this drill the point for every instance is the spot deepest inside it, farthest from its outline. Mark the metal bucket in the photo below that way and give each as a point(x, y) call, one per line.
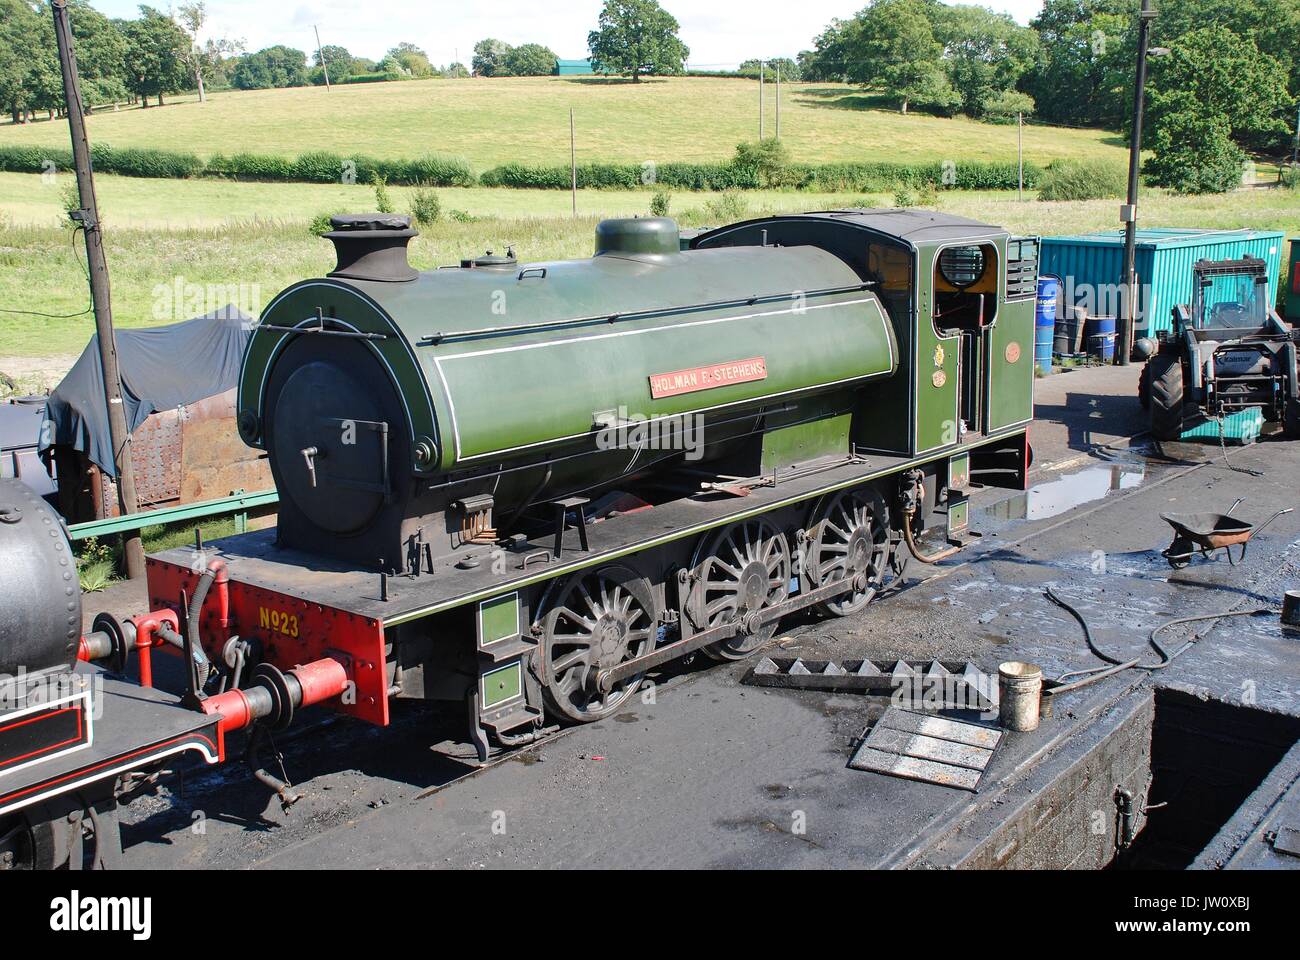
point(1020, 694)
point(1291, 610)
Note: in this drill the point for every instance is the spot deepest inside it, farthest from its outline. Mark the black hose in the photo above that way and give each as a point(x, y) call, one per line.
point(195, 612)
point(1166, 658)
point(1087, 633)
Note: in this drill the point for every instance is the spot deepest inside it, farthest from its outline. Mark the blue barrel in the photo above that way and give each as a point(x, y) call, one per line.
point(1049, 292)
point(1101, 338)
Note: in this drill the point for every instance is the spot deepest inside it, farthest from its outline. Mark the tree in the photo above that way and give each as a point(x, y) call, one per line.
point(411, 59)
point(530, 60)
point(768, 68)
point(1212, 95)
point(30, 78)
point(18, 33)
point(985, 54)
point(338, 58)
point(1084, 73)
point(277, 66)
point(891, 46)
point(155, 55)
point(490, 58)
point(829, 59)
point(637, 38)
point(340, 62)
point(456, 71)
point(202, 59)
point(1192, 149)
point(1273, 26)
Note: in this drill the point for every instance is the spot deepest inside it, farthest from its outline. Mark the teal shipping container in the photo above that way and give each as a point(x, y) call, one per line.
point(1091, 267)
point(573, 68)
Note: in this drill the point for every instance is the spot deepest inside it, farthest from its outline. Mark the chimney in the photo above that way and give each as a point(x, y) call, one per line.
point(372, 246)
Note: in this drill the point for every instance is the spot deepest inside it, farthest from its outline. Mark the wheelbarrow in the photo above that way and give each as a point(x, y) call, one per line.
point(1205, 533)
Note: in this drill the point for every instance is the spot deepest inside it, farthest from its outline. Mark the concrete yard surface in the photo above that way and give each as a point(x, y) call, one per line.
point(1188, 763)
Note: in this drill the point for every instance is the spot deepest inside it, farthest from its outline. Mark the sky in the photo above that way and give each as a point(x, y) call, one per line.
point(720, 33)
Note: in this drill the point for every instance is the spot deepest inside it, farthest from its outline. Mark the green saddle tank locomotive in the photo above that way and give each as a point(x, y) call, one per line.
point(526, 486)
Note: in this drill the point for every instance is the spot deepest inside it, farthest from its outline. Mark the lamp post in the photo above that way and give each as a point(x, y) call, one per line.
point(1128, 213)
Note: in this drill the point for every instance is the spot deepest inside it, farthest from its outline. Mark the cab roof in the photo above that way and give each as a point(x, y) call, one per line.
point(913, 225)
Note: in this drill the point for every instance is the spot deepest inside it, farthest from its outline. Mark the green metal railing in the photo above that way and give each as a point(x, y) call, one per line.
point(238, 503)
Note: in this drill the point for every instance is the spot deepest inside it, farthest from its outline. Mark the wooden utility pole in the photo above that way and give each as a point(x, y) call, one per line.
point(88, 217)
point(573, 162)
point(761, 66)
point(1020, 156)
point(320, 52)
point(778, 99)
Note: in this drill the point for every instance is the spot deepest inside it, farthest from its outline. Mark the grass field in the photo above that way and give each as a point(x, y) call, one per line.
point(130, 203)
point(494, 121)
point(256, 235)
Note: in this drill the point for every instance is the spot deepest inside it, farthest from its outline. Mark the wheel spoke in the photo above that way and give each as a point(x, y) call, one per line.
point(733, 572)
point(565, 662)
point(597, 619)
point(586, 622)
point(719, 605)
point(589, 600)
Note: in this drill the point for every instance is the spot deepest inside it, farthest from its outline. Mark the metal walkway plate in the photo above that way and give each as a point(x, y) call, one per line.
point(917, 746)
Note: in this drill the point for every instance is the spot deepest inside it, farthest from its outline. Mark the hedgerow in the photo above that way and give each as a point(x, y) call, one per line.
point(432, 170)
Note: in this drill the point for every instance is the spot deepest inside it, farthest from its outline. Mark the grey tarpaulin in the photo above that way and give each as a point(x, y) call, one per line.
point(162, 367)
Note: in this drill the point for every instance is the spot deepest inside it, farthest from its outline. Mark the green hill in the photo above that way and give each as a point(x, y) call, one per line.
point(495, 121)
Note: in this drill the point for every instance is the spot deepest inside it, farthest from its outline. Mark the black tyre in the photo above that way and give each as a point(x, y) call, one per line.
point(28, 844)
point(1291, 426)
point(1144, 386)
point(1166, 392)
point(1291, 423)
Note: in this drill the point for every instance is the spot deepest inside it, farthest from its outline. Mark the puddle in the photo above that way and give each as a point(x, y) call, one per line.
point(1055, 497)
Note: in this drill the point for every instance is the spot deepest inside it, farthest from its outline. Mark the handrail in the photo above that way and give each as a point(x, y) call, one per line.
point(235, 503)
point(434, 339)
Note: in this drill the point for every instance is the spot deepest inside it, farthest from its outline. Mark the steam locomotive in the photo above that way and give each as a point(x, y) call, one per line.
point(525, 486)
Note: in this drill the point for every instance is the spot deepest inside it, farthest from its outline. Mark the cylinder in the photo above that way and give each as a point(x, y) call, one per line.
point(1049, 291)
point(1069, 331)
point(1020, 693)
point(40, 595)
point(1101, 338)
point(1291, 609)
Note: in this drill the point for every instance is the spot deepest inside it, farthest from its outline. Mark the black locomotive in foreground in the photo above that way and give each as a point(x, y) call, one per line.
point(522, 487)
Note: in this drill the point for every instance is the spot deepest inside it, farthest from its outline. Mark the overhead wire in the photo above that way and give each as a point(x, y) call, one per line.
point(61, 316)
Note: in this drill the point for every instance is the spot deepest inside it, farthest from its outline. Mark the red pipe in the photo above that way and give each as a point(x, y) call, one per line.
point(233, 707)
point(146, 628)
point(221, 583)
point(319, 681)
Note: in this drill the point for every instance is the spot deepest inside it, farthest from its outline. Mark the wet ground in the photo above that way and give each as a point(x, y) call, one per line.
point(703, 770)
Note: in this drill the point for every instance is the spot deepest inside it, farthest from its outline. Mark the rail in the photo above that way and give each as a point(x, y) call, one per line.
point(238, 503)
